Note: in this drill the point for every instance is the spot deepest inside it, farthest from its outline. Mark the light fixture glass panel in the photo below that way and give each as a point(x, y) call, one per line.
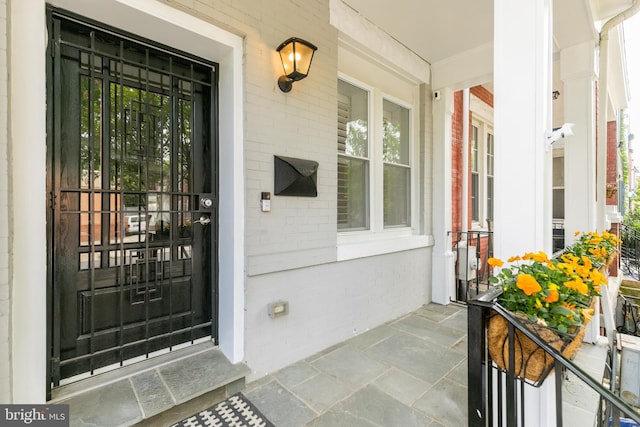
point(286, 55)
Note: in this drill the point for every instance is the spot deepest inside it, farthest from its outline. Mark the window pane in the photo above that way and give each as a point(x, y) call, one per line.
point(353, 113)
point(489, 176)
point(353, 193)
point(558, 203)
point(396, 196)
point(396, 133)
point(353, 151)
point(474, 148)
point(475, 205)
point(558, 171)
point(490, 197)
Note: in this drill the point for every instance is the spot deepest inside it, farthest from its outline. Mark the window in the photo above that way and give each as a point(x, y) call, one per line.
point(353, 157)
point(490, 176)
point(374, 137)
point(481, 167)
point(475, 179)
point(396, 165)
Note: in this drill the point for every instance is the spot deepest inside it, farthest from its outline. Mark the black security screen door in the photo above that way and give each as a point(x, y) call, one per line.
point(133, 183)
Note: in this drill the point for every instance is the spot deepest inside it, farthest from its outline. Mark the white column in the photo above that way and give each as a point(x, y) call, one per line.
point(522, 112)
point(27, 160)
point(443, 288)
point(522, 81)
point(578, 73)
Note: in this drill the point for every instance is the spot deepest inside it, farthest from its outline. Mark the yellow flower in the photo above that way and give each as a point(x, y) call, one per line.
point(495, 262)
point(587, 313)
point(514, 258)
point(528, 284)
point(577, 285)
point(597, 278)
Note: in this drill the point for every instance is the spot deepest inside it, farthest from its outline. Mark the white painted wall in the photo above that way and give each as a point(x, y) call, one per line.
point(5, 308)
point(578, 73)
point(27, 201)
point(328, 304)
point(289, 253)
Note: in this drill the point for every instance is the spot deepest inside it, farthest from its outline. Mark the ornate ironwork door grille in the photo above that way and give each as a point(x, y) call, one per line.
point(133, 185)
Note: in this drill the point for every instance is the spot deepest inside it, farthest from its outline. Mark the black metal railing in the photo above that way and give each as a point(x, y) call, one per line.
point(496, 397)
point(630, 251)
point(472, 249)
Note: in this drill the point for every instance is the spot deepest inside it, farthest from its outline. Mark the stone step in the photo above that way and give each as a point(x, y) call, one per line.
point(159, 390)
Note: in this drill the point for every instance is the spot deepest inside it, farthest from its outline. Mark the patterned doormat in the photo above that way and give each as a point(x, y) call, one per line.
point(235, 411)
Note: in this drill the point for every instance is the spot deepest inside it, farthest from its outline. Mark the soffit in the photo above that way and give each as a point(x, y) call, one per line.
point(437, 30)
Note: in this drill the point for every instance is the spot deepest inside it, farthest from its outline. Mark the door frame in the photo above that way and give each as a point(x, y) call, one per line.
point(204, 140)
point(28, 174)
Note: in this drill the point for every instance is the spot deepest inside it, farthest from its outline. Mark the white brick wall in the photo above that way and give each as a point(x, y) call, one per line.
point(291, 251)
point(5, 377)
point(298, 231)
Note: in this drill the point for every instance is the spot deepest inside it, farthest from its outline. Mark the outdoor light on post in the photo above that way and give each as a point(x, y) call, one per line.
point(296, 55)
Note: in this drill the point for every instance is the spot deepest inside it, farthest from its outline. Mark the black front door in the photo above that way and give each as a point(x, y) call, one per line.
point(133, 183)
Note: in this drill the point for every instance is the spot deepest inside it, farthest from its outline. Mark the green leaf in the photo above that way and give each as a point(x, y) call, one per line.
point(559, 309)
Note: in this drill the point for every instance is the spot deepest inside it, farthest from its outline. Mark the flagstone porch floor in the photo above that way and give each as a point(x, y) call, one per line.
point(408, 372)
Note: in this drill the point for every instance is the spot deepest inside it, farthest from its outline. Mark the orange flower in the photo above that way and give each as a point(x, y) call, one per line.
point(528, 284)
point(553, 296)
point(577, 285)
point(514, 258)
point(495, 262)
point(540, 256)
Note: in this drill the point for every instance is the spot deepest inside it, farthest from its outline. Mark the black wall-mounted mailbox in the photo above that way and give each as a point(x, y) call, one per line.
point(295, 177)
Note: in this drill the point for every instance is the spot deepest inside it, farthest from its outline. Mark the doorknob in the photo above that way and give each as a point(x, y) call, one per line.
point(204, 220)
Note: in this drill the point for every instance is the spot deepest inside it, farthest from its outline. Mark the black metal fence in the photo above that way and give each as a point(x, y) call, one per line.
point(630, 251)
point(496, 396)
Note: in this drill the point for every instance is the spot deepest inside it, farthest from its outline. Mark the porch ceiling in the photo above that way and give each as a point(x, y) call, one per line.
point(436, 30)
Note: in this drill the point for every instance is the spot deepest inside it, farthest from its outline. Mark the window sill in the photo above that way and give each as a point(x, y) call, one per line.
point(365, 244)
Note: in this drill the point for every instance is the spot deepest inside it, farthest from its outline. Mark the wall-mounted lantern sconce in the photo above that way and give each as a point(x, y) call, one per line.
point(296, 55)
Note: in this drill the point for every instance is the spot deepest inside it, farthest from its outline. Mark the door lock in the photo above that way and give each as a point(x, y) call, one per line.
point(206, 202)
point(204, 220)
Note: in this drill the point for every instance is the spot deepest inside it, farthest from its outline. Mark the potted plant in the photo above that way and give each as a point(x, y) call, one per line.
point(551, 297)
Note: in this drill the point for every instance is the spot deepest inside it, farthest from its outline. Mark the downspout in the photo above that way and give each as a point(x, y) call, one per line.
point(602, 110)
point(464, 208)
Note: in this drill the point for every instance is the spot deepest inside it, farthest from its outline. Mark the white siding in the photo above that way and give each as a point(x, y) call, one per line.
point(5, 362)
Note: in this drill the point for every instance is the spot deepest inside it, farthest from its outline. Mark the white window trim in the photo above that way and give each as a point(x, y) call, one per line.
point(482, 117)
point(484, 129)
point(377, 239)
